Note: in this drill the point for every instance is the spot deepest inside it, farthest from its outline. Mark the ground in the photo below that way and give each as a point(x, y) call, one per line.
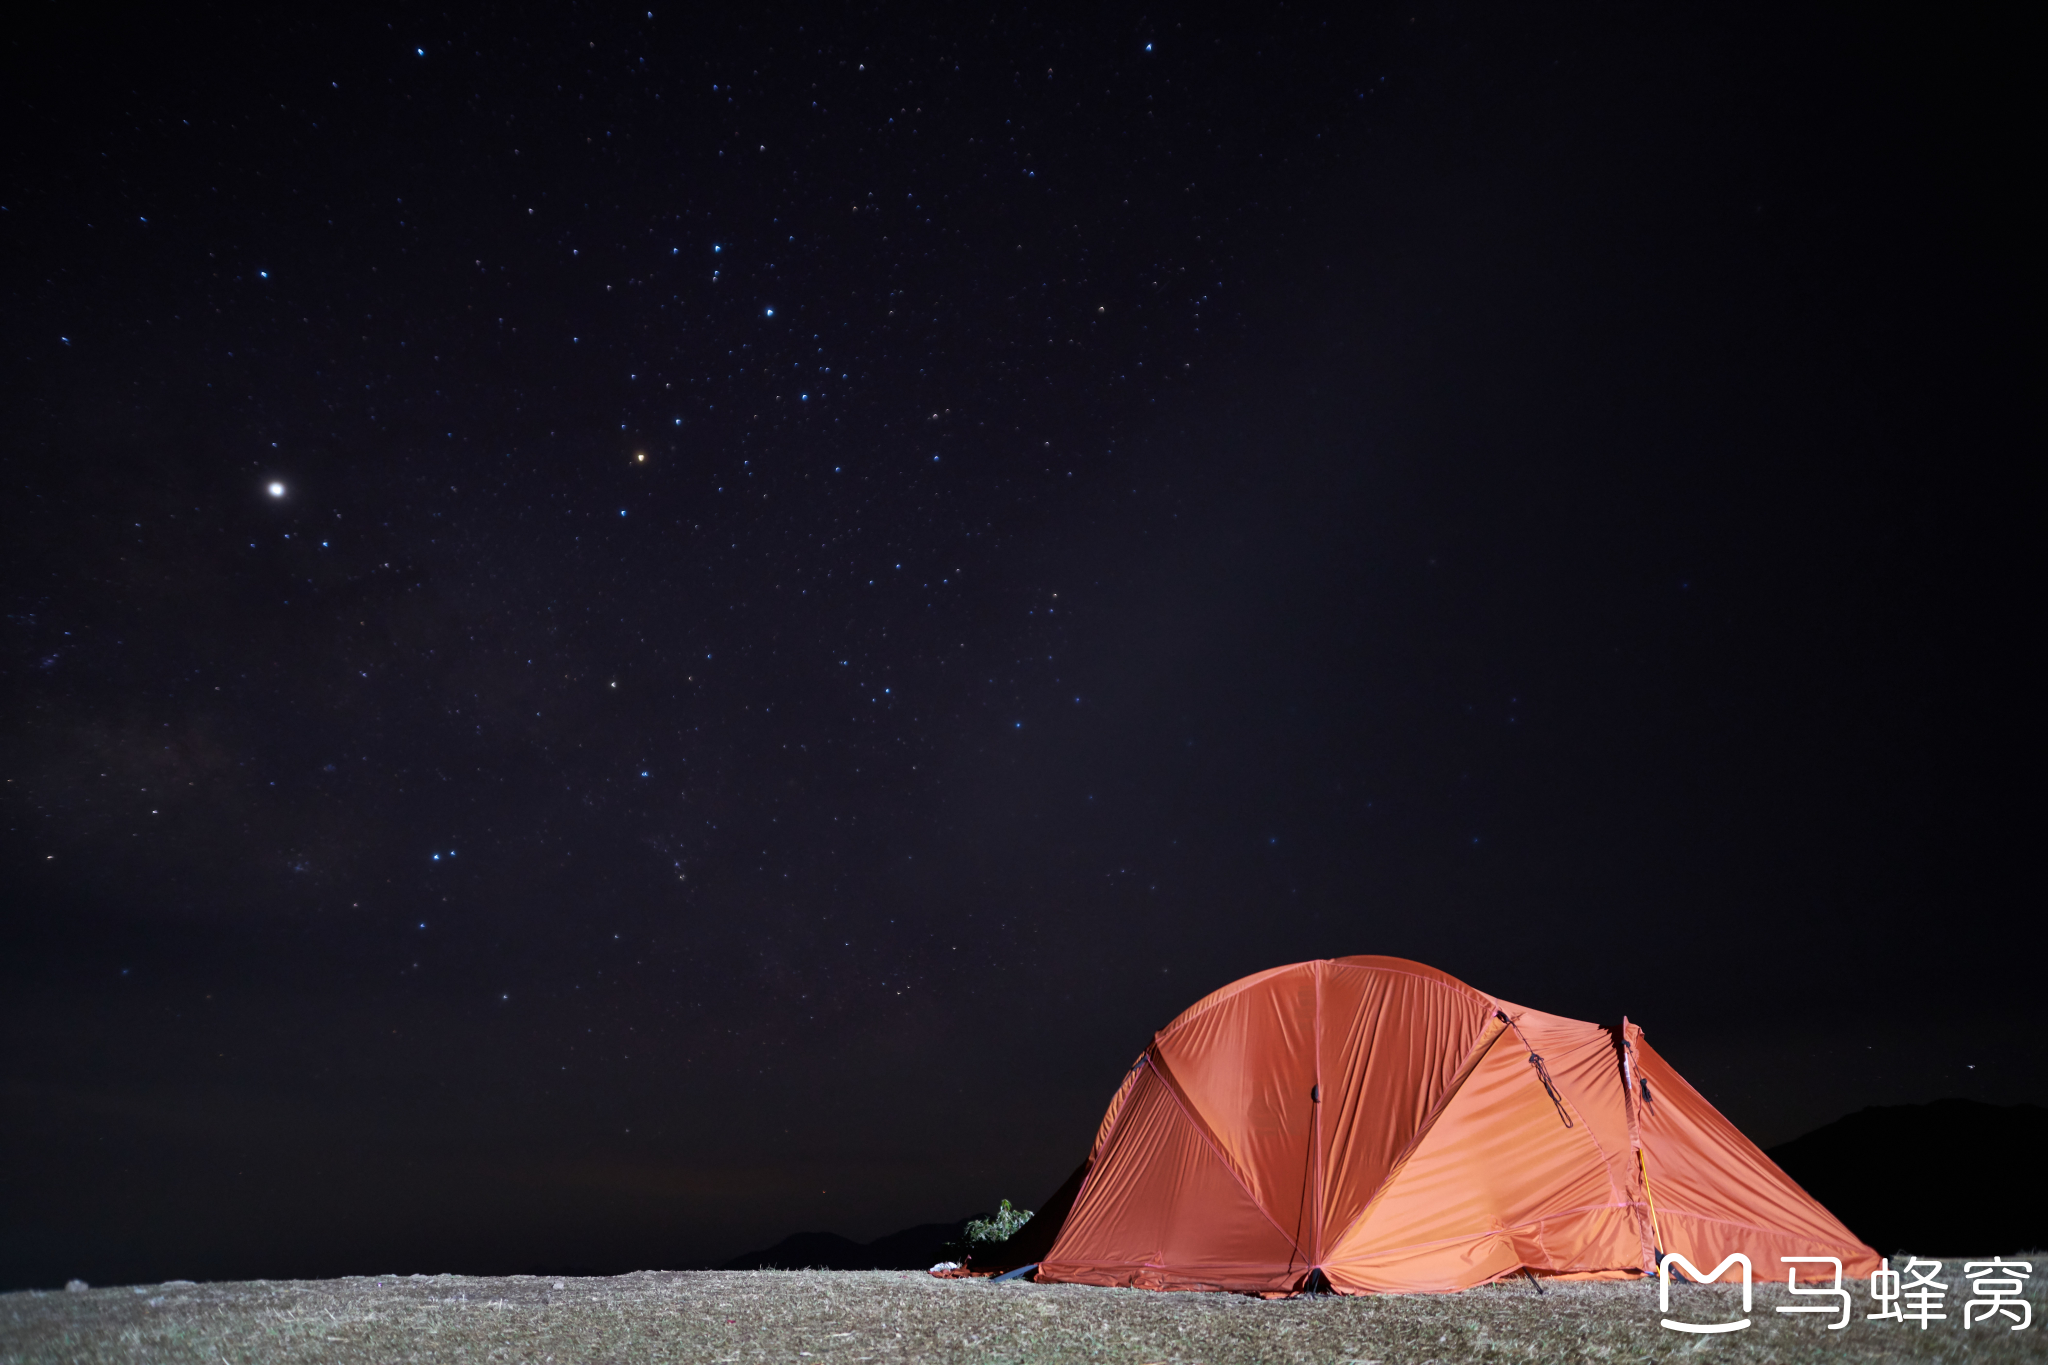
point(843, 1317)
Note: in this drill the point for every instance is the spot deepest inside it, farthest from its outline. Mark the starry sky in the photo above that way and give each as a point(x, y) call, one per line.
point(627, 632)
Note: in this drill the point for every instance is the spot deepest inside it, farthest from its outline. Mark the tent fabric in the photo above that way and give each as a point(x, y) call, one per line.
point(1712, 1189)
point(1384, 1124)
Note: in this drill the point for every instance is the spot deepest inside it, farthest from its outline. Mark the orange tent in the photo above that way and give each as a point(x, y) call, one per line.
point(1386, 1125)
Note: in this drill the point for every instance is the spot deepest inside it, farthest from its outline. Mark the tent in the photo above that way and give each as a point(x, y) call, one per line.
point(1378, 1126)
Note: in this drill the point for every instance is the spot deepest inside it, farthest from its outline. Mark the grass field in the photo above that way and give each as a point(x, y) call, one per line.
point(843, 1317)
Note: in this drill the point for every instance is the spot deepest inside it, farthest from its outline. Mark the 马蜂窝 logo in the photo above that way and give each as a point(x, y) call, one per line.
point(1916, 1296)
point(1693, 1272)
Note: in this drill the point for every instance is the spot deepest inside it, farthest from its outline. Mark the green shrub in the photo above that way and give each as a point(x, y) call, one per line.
point(1000, 1226)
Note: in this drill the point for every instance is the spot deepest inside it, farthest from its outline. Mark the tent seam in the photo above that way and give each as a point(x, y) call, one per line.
point(1202, 1131)
point(1315, 1118)
point(1465, 1070)
point(1120, 1101)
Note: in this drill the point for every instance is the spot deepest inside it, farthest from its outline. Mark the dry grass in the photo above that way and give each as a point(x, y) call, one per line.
point(840, 1318)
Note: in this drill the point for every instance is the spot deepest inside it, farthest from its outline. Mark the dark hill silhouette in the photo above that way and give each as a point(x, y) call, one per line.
point(1951, 1178)
point(917, 1248)
point(921, 1247)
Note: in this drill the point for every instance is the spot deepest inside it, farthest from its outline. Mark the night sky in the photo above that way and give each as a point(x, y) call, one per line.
point(628, 633)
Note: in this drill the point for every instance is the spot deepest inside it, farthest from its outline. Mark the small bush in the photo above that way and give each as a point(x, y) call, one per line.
point(1000, 1226)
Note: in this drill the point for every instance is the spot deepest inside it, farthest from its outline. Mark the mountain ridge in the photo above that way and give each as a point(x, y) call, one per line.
point(912, 1248)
